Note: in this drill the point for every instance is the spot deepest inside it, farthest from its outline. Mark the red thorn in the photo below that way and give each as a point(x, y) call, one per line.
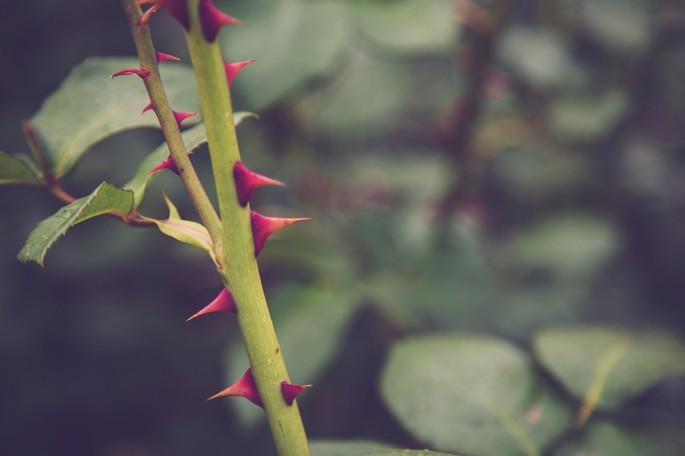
point(233, 69)
point(290, 392)
point(212, 19)
point(247, 181)
point(167, 163)
point(161, 57)
point(147, 108)
point(141, 72)
point(181, 116)
point(222, 303)
point(245, 387)
point(263, 227)
point(177, 8)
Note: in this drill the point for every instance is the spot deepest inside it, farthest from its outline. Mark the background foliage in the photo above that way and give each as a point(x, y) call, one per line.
point(495, 266)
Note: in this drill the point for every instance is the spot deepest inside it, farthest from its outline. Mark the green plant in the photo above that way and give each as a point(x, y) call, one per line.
point(475, 394)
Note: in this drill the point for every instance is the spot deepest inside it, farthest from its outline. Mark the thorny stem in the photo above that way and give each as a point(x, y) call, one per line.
point(241, 273)
point(170, 129)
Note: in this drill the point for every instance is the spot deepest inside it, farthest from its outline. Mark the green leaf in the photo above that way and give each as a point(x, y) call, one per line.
point(293, 42)
point(362, 448)
point(407, 453)
point(540, 56)
point(105, 199)
point(408, 26)
point(89, 106)
point(540, 172)
point(570, 245)
point(586, 117)
point(343, 108)
point(192, 138)
point(476, 395)
point(621, 25)
point(14, 170)
point(311, 325)
point(606, 366)
point(185, 231)
point(609, 439)
point(345, 447)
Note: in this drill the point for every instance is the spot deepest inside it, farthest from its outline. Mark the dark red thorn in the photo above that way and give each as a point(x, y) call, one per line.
point(177, 8)
point(233, 69)
point(167, 163)
point(181, 116)
point(222, 303)
point(147, 108)
point(145, 18)
point(245, 387)
point(247, 182)
point(162, 57)
point(263, 227)
point(212, 19)
point(290, 392)
point(141, 72)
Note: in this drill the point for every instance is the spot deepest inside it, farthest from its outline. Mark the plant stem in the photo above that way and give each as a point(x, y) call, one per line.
point(240, 272)
point(170, 129)
point(458, 133)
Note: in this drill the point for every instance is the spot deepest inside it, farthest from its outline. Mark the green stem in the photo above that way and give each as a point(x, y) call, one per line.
point(170, 129)
point(240, 272)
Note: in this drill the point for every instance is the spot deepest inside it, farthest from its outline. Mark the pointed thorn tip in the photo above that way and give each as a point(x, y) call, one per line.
point(248, 181)
point(263, 227)
point(212, 19)
point(290, 391)
point(223, 302)
point(162, 57)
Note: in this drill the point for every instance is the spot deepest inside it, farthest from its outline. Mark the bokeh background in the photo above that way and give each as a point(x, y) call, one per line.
point(493, 167)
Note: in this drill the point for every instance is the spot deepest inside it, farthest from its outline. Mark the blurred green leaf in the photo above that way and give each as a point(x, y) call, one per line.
point(411, 26)
point(570, 245)
point(540, 57)
point(311, 325)
point(586, 118)
point(407, 453)
point(609, 439)
point(533, 172)
point(293, 41)
point(622, 25)
point(362, 448)
point(345, 447)
point(367, 97)
point(477, 395)
point(606, 366)
point(104, 199)
point(14, 170)
point(89, 106)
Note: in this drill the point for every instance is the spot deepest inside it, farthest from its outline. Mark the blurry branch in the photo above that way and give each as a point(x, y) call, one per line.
point(637, 216)
point(456, 134)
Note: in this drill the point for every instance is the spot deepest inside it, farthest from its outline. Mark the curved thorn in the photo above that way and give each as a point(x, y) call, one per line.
point(247, 181)
point(263, 227)
point(245, 387)
point(222, 303)
point(212, 19)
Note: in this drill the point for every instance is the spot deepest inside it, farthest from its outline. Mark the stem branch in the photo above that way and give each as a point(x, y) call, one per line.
point(170, 129)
